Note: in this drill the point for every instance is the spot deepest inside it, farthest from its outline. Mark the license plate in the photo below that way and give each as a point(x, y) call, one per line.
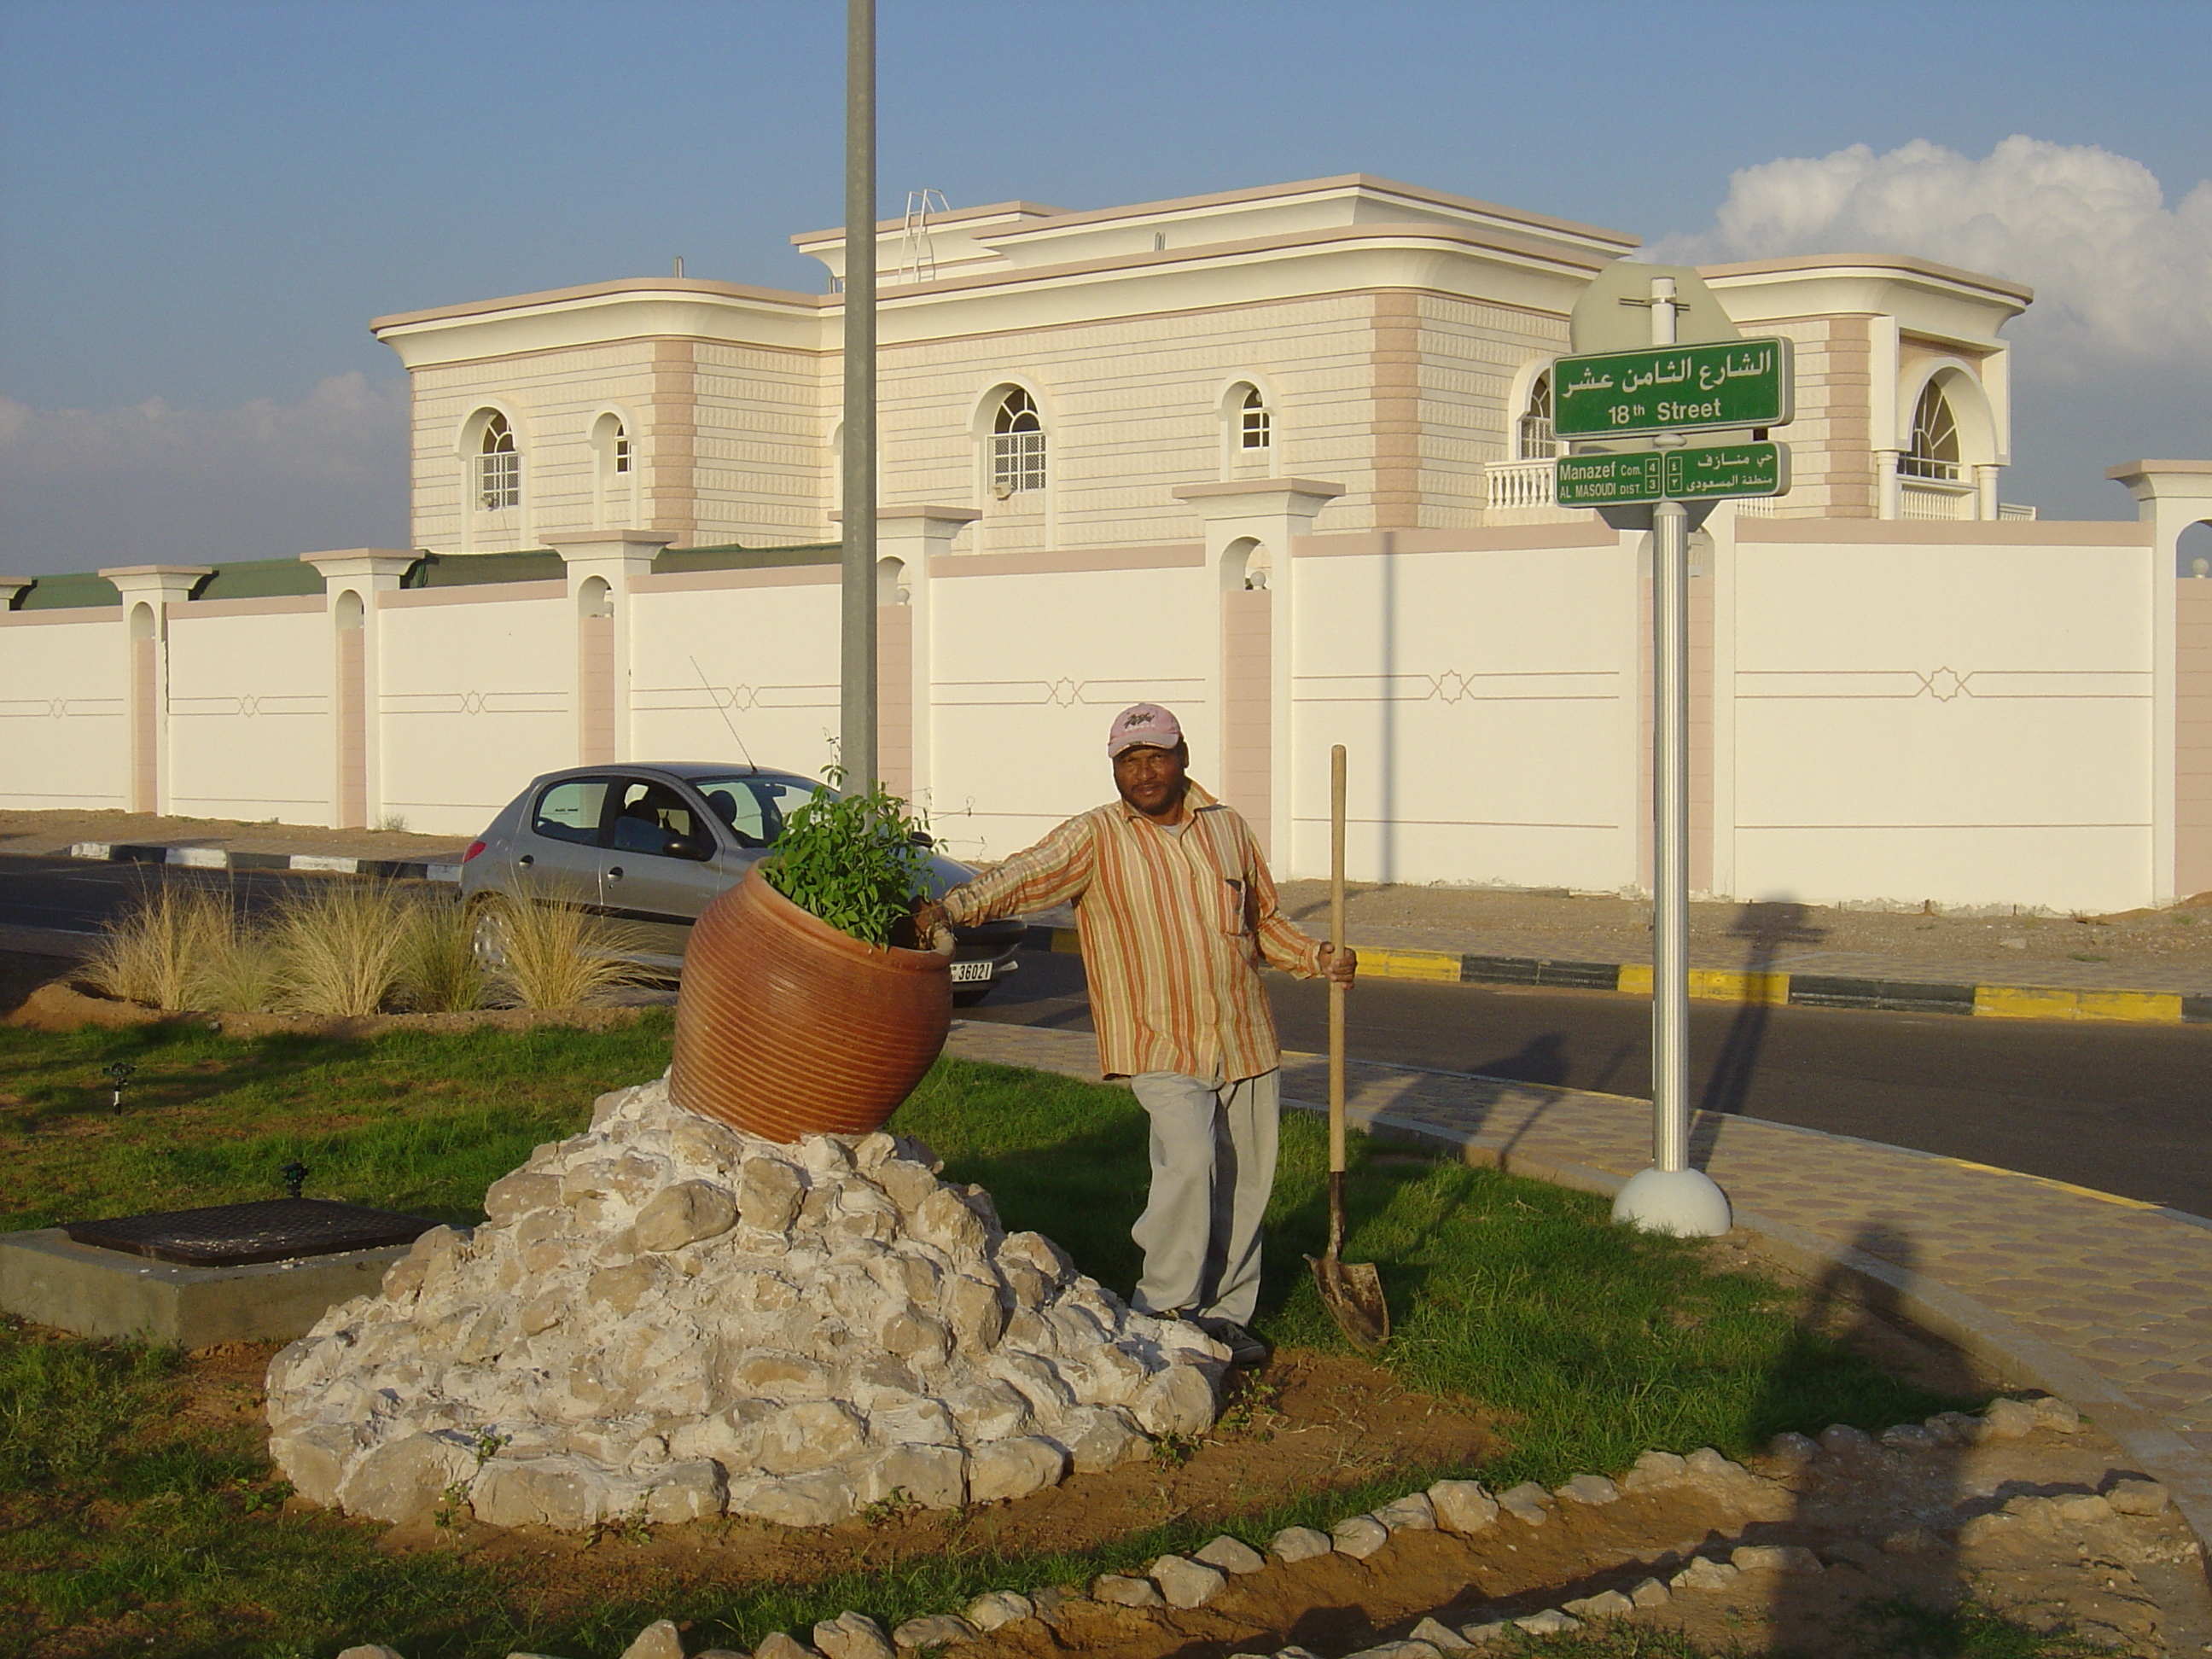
point(967, 973)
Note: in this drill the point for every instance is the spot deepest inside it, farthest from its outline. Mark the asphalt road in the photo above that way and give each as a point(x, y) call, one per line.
point(2123, 1108)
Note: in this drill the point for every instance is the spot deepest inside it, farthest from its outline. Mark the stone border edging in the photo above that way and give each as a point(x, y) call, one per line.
point(1942, 1310)
point(1734, 986)
point(217, 858)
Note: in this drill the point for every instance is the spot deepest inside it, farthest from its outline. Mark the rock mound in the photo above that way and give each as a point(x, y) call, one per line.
point(667, 1318)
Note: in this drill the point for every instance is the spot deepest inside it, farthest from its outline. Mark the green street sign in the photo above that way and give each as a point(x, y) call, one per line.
point(1719, 473)
point(1608, 480)
point(1674, 388)
point(1730, 470)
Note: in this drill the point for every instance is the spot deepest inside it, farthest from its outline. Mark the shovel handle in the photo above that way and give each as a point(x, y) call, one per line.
point(1336, 951)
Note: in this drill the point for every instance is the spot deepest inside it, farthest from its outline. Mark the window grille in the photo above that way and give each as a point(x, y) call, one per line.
point(498, 468)
point(1533, 440)
point(621, 448)
point(1259, 426)
point(1017, 445)
point(1935, 451)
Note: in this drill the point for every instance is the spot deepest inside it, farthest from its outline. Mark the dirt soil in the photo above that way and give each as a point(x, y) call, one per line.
point(1611, 928)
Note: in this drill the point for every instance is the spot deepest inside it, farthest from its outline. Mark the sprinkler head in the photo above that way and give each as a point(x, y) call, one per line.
point(295, 1174)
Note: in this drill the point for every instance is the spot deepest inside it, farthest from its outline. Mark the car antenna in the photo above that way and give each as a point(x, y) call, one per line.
point(708, 687)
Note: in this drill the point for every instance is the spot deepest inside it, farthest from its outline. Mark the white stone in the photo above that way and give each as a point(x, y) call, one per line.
point(1232, 1555)
point(1550, 1622)
point(1790, 1446)
point(658, 1640)
point(683, 1214)
point(566, 1493)
point(1483, 1631)
point(2009, 1419)
point(1526, 1502)
point(1412, 1513)
point(2129, 1496)
point(1462, 1506)
point(987, 1613)
point(1014, 1468)
point(1123, 1591)
point(781, 1644)
point(1409, 1649)
point(852, 1636)
point(1703, 1573)
point(1299, 1544)
point(1589, 1489)
point(2053, 1412)
point(1649, 1593)
point(1909, 1436)
point(934, 1630)
point(1184, 1583)
point(371, 1651)
point(1359, 1537)
point(1439, 1636)
point(1606, 1604)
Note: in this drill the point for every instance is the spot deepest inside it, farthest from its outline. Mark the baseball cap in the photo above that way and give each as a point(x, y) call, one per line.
point(1144, 723)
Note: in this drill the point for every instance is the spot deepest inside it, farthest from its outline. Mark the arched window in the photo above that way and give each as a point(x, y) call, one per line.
point(1017, 445)
point(1533, 438)
point(1257, 429)
point(499, 466)
point(1935, 451)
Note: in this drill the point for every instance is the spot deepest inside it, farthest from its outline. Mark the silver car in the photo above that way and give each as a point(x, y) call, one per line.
point(651, 844)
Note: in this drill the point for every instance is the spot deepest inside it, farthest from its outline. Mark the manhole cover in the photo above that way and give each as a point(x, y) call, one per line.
point(235, 1235)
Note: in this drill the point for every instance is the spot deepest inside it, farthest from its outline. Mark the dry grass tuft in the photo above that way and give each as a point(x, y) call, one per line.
point(439, 972)
point(237, 967)
point(339, 947)
point(551, 955)
point(156, 951)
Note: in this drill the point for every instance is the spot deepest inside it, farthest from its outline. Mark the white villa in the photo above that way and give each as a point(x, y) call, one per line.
point(1064, 374)
point(1281, 458)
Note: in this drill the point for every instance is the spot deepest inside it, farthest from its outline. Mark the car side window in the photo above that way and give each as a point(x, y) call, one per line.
point(752, 809)
point(654, 819)
point(571, 811)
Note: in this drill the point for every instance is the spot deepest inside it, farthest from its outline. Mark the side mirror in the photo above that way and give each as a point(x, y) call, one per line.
point(922, 838)
point(683, 846)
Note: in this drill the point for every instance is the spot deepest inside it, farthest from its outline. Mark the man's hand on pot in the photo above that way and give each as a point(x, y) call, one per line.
point(1340, 966)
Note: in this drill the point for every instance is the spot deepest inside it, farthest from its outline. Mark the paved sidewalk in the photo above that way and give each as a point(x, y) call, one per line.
point(2105, 1301)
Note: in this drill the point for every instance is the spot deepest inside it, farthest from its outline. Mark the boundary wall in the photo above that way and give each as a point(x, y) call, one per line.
point(1971, 713)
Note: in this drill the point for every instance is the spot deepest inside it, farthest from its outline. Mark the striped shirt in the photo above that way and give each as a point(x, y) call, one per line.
point(1174, 926)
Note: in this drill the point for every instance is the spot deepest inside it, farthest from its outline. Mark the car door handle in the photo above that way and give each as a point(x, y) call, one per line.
point(526, 859)
point(614, 873)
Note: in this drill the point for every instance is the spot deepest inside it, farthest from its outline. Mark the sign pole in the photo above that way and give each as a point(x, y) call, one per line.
point(1670, 1196)
point(856, 742)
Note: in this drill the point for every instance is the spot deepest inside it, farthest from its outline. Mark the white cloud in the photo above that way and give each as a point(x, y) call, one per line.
point(83, 488)
point(2118, 274)
point(2109, 359)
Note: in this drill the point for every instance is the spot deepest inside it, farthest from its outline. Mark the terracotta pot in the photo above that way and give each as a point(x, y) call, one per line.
point(786, 1027)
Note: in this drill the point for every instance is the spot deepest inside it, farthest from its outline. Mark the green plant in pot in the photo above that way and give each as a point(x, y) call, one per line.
point(804, 1007)
point(857, 861)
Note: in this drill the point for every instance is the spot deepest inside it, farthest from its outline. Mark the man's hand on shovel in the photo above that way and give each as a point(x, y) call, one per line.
point(1339, 967)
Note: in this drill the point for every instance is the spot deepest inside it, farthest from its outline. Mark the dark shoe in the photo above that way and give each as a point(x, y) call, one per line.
point(1244, 1348)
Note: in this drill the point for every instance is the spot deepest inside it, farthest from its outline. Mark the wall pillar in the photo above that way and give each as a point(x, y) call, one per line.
point(2170, 496)
point(352, 579)
point(600, 564)
point(1986, 493)
point(148, 591)
point(1268, 514)
point(908, 540)
point(1885, 483)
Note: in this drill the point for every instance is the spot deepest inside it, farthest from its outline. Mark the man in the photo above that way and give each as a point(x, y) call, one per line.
point(1177, 910)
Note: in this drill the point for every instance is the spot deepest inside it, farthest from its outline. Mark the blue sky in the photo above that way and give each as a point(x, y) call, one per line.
point(202, 202)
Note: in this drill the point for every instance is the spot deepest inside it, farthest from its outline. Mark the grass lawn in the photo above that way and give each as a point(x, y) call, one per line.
point(121, 1519)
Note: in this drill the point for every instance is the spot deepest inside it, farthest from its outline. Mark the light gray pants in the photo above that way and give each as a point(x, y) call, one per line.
point(1214, 1166)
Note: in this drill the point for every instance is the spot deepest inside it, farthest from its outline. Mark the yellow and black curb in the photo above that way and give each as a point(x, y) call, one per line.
point(1777, 990)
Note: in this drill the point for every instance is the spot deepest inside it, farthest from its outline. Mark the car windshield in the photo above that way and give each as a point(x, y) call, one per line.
point(753, 806)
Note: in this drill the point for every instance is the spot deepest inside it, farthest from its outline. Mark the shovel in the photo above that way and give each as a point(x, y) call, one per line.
point(1351, 1290)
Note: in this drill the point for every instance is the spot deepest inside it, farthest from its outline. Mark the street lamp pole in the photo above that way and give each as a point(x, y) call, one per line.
point(857, 664)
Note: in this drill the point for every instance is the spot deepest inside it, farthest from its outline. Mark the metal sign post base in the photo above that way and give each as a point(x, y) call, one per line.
point(1683, 1202)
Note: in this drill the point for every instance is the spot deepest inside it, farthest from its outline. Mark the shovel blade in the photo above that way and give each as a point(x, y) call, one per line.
point(1352, 1293)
